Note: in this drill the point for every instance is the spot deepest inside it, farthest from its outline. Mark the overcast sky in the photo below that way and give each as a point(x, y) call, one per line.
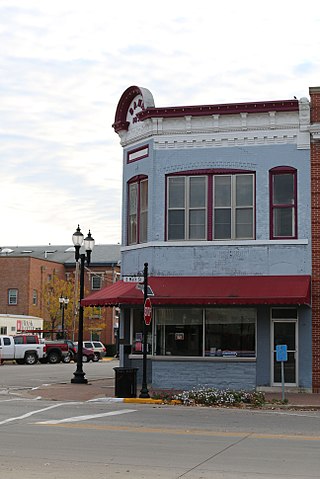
point(65, 63)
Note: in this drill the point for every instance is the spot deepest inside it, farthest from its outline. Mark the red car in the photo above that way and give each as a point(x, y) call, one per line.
point(87, 354)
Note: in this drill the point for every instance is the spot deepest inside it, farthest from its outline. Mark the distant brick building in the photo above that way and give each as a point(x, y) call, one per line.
point(24, 271)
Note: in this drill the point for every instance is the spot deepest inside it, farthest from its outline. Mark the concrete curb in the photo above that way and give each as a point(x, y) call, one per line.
point(267, 406)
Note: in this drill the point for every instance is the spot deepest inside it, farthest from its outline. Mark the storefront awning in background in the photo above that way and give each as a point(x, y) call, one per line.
point(207, 290)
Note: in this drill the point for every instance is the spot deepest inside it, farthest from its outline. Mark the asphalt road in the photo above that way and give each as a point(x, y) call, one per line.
point(101, 439)
point(24, 376)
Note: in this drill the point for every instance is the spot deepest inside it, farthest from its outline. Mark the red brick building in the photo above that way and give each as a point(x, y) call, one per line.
point(24, 272)
point(315, 225)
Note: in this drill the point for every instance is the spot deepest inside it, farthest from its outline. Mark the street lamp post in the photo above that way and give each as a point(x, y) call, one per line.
point(63, 305)
point(77, 238)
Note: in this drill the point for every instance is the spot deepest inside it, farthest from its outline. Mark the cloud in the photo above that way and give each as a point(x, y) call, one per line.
point(65, 64)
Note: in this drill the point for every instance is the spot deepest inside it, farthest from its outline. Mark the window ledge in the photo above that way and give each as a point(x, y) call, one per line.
point(169, 244)
point(194, 358)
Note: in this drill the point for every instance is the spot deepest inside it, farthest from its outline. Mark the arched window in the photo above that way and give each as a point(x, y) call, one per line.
point(137, 210)
point(283, 202)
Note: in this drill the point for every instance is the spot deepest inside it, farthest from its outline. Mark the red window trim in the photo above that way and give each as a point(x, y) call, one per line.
point(136, 150)
point(282, 170)
point(210, 173)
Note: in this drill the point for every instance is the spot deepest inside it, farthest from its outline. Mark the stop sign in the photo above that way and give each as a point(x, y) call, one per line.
point(147, 311)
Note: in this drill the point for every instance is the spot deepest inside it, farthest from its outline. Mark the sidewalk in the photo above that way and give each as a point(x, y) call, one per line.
point(104, 388)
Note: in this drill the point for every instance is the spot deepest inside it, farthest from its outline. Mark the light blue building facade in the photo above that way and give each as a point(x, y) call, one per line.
point(216, 199)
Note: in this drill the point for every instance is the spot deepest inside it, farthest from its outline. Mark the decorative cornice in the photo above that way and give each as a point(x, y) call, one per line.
point(315, 131)
point(222, 109)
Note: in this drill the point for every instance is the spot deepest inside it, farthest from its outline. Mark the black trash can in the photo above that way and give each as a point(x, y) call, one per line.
point(126, 382)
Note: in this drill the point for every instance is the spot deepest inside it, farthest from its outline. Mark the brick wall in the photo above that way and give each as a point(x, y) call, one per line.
point(26, 275)
point(315, 223)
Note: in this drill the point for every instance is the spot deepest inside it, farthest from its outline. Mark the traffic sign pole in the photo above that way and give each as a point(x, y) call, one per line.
point(144, 393)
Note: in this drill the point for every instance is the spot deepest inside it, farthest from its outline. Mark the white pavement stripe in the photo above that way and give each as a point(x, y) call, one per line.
point(89, 416)
point(28, 414)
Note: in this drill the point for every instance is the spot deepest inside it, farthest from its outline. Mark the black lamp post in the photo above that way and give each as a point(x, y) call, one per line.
point(63, 305)
point(77, 238)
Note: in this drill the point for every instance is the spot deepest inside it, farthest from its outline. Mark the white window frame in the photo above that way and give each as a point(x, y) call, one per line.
point(187, 208)
point(12, 295)
point(234, 207)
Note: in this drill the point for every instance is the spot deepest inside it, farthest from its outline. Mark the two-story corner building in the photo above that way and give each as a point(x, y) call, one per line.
point(24, 272)
point(217, 201)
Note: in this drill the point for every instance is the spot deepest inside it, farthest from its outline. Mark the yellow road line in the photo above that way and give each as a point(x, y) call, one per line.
point(185, 432)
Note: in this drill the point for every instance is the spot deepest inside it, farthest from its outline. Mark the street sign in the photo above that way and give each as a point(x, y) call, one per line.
point(281, 352)
point(133, 279)
point(147, 312)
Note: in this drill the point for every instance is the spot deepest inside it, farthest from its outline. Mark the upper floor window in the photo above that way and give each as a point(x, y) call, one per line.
point(233, 207)
point(283, 203)
point(187, 207)
point(12, 296)
point(96, 281)
point(138, 210)
point(34, 297)
point(211, 206)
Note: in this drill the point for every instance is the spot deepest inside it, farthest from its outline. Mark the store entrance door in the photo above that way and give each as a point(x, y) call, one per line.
point(285, 332)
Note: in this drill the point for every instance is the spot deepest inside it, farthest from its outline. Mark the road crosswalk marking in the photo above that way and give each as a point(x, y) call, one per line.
point(86, 417)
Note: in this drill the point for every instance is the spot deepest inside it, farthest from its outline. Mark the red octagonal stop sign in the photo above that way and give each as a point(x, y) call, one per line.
point(147, 311)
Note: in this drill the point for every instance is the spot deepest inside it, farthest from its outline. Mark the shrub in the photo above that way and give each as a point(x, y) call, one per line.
point(215, 397)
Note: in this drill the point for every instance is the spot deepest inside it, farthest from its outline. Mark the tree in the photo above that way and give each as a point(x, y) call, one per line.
point(52, 291)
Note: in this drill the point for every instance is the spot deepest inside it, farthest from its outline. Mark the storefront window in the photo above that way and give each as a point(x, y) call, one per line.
point(179, 332)
point(137, 333)
point(230, 332)
point(214, 332)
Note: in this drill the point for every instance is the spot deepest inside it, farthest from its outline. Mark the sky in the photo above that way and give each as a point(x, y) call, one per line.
point(65, 64)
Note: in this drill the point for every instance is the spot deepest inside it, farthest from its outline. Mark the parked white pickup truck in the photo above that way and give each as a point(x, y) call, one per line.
point(23, 348)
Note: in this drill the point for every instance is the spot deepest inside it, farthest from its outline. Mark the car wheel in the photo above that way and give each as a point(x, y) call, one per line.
point(67, 358)
point(54, 358)
point(30, 358)
point(84, 359)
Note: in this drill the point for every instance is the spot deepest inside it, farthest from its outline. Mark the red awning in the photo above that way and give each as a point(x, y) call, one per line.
point(208, 290)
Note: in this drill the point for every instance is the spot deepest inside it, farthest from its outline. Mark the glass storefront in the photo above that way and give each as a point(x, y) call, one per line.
point(213, 332)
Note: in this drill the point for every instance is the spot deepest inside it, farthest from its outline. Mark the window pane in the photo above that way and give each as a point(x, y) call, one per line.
point(222, 191)
point(244, 223)
point(179, 332)
point(143, 211)
point(197, 192)
point(133, 189)
point(132, 208)
point(143, 227)
point(283, 222)
point(197, 224)
point(13, 296)
point(222, 223)
point(176, 228)
point(283, 189)
point(137, 333)
point(230, 332)
point(177, 192)
point(144, 195)
point(244, 190)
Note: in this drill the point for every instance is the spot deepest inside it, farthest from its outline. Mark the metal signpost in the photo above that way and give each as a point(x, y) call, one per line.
point(282, 356)
point(144, 393)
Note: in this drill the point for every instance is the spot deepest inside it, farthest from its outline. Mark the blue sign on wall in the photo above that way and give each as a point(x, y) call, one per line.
point(281, 352)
